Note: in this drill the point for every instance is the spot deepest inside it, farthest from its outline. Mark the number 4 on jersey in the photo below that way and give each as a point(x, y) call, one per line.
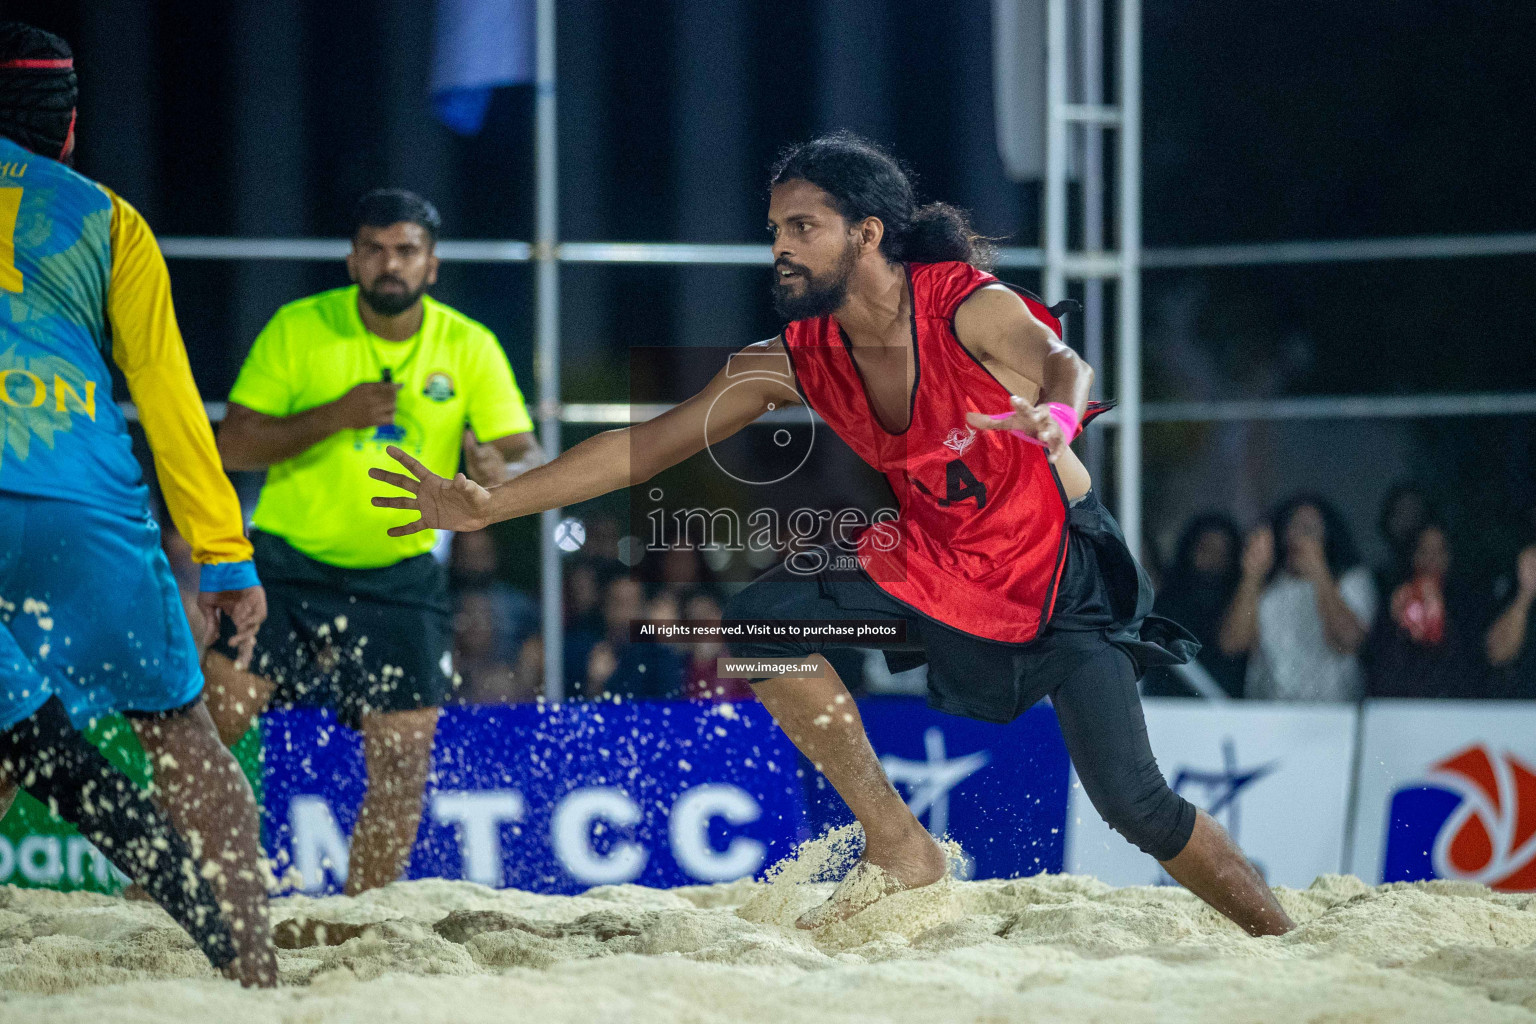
point(960, 483)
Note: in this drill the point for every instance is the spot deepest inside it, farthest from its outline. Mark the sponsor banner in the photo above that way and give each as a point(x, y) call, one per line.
point(1448, 790)
point(1000, 791)
point(555, 798)
point(39, 851)
point(1275, 775)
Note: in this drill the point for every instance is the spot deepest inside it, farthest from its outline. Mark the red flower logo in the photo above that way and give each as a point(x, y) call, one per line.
point(1491, 837)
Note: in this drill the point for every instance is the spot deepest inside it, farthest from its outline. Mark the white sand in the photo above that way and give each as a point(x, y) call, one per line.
point(1050, 948)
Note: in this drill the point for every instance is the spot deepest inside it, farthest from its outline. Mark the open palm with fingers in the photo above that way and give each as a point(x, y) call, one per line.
point(443, 504)
point(1025, 420)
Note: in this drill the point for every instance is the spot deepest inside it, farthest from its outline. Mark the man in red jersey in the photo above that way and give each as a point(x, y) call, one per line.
point(1013, 581)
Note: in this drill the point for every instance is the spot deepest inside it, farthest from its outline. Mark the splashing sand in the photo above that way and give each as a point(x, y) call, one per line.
point(1059, 948)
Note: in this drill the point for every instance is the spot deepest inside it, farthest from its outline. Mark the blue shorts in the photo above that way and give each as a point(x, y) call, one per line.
point(90, 612)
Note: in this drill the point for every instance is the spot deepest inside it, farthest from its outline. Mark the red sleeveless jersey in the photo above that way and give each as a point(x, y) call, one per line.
point(981, 535)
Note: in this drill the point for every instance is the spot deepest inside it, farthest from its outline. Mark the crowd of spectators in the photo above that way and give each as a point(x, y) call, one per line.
point(1291, 611)
point(1287, 609)
point(499, 653)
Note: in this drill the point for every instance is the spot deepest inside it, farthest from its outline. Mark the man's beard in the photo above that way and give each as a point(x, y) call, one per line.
point(821, 297)
point(390, 303)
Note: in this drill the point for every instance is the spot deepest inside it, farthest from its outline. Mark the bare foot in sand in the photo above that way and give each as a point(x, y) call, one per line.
point(252, 974)
point(304, 932)
point(884, 869)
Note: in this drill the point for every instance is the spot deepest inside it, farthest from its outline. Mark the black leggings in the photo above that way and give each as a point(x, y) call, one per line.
point(48, 758)
point(1099, 710)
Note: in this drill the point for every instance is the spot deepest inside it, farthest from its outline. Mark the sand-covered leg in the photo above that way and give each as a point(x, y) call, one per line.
point(47, 757)
point(203, 791)
point(1105, 731)
point(1212, 867)
point(234, 697)
point(819, 716)
point(397, 747)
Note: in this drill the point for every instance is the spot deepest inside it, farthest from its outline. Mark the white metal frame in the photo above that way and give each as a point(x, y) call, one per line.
point(1320, 407)
point(1252, 254)
point(1054, 257)
point(1124, 263)
point(547, 192)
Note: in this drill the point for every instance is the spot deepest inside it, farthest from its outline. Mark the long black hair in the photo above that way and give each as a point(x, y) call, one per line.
point(1338, 545)
point(1194, 600)
point(866, 181)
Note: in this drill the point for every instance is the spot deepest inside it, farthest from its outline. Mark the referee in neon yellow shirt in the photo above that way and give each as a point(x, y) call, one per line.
point(359, 621)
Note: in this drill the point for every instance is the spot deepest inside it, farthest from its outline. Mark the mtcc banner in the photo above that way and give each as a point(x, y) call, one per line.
point(562, 798)
point(551, 798)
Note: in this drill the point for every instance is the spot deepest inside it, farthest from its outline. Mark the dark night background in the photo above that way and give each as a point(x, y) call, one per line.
point(1263, 121)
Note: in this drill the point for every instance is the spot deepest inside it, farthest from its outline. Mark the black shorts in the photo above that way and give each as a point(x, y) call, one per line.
point(352, 640)
point(1104, 600)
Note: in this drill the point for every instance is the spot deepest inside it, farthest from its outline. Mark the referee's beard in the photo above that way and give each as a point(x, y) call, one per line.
point(394, 301)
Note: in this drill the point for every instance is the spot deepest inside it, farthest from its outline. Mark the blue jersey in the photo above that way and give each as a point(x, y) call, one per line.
point(88, 607)
point(61, 435)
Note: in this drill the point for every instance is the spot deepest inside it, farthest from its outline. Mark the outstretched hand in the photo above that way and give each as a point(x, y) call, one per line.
point(1030, 422)
point(442, 504)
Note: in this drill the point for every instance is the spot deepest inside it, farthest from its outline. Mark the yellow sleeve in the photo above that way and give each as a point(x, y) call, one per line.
point(147, 346)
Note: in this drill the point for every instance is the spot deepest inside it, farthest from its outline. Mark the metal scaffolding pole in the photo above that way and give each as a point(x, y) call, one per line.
point(1092, 263)
point(1092, 65)
point(546, 255)
point(1248, 254)
point(1056, 142)
point(1128, 370)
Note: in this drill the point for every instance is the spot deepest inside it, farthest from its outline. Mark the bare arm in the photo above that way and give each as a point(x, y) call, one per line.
point(1342, 628)
point(516, 447)
point(1507, 634)
point(632, 455)
point(755, 378)
point(252, 440)
point(1026, 357)
point(1240, 627)
point(497, 461)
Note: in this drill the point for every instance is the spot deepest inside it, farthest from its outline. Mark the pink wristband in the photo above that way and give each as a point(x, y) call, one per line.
point(1064, 415)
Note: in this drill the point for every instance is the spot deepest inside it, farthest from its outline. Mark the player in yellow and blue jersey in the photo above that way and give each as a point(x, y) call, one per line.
point(90, 619)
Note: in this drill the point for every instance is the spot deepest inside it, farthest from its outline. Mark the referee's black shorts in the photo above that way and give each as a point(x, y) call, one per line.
point(353, 640)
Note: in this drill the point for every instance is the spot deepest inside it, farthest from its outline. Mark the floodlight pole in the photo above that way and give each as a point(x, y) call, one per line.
point(547, 368)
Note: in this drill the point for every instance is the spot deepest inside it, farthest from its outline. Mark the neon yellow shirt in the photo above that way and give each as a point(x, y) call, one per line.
point(452, 373)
